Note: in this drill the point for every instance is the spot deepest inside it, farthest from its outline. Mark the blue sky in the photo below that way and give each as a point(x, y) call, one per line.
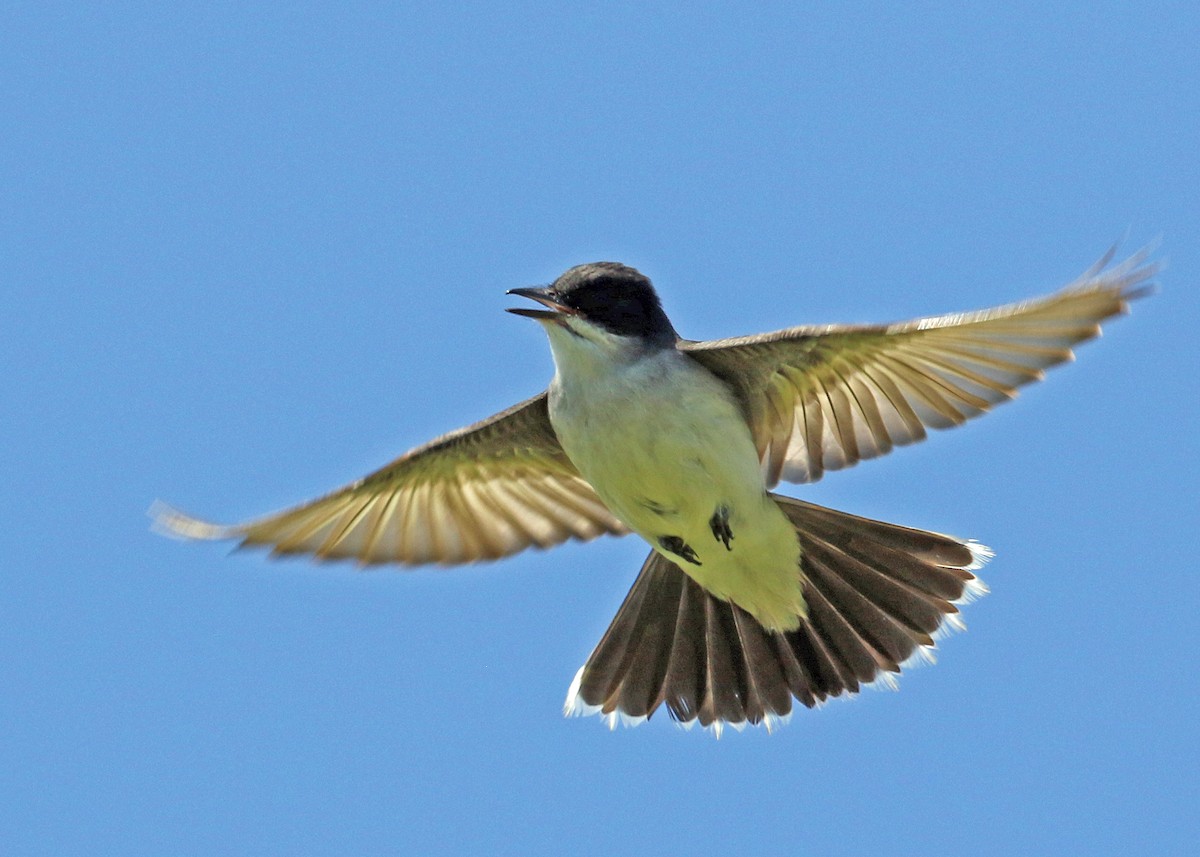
point(249, 254)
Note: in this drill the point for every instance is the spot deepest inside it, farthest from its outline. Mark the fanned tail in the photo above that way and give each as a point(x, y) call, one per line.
point(878, 595)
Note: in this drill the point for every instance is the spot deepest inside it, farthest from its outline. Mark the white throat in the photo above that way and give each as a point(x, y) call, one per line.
point(584, 352)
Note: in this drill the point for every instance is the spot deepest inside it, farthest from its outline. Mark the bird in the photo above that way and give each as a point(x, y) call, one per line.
point(749, 601)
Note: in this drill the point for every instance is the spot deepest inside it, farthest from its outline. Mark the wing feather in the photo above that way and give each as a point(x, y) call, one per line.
point(479, 493)
point(823, 398)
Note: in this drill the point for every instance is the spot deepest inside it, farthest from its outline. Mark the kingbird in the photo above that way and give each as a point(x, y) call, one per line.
point(749, 600)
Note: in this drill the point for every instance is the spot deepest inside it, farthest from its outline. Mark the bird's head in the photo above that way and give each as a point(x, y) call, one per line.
point(606, 303)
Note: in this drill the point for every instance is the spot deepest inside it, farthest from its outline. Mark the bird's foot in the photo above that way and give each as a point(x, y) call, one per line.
point(720, 526)
point(680, 548)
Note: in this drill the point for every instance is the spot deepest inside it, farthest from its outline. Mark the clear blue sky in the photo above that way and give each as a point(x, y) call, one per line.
point(248, 254)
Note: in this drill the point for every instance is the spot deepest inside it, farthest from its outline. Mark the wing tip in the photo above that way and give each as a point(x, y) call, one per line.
point(168, 521)
point(1131, 278)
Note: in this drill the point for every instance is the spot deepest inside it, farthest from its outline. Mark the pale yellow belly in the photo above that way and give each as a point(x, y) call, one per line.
point(665, 460)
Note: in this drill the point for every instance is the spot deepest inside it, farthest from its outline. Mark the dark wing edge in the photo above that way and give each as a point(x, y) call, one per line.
point(826, 397)
point(479, 493)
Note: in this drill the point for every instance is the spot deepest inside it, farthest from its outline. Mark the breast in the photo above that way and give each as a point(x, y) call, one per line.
point(662, 436)
point(665, 445)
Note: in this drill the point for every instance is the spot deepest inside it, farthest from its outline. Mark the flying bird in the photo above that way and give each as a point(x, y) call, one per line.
point(749, 600)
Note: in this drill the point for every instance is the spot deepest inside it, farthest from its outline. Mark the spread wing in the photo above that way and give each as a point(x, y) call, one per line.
point(482, 492)
point(823, 398)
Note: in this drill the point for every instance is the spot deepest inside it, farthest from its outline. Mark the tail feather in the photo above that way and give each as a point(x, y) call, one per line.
point(645, 667)
point(725, 687)
point(686, 669)
point(877, 595)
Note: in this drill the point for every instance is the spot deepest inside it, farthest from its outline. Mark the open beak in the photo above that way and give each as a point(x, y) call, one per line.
point(545, 297)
